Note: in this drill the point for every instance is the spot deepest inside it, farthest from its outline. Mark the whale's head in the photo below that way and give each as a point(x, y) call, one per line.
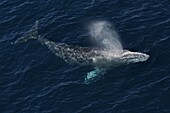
point(133, 57)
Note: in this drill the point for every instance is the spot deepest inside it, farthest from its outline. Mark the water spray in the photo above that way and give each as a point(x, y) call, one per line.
point(104, 34)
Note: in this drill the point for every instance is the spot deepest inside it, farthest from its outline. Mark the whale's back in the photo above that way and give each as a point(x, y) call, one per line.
point(75, 54)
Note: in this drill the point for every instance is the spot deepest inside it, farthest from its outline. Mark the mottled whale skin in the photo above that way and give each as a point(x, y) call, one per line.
point(101, 59)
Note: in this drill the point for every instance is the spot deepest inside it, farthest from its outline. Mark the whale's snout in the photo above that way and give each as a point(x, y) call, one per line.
point(134, 57)
point(143, 57)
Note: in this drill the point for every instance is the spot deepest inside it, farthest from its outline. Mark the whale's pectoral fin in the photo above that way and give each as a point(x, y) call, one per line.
point(94, 75)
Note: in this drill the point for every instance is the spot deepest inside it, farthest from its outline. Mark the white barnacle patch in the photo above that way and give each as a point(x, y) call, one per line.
point(47, 42)
point(94, 60)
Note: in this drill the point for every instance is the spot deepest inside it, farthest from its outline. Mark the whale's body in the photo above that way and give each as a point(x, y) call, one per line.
point(91, 56)
point(101, 59)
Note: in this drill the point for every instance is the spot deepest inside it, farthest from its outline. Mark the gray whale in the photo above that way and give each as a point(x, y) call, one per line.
point(101, 59)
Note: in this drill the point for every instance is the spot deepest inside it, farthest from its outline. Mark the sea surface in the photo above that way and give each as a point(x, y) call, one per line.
point(34, 80)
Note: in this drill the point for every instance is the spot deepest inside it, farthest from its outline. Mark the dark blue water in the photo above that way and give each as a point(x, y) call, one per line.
point(34, 80)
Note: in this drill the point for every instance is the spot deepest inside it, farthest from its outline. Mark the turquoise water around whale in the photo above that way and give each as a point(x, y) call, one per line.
point(34, 80)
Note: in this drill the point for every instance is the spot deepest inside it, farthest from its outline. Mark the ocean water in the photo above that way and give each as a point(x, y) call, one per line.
point(34, 80)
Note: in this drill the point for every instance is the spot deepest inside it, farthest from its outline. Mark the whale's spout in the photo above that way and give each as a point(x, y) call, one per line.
point(133, 57)
point(105, 35)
